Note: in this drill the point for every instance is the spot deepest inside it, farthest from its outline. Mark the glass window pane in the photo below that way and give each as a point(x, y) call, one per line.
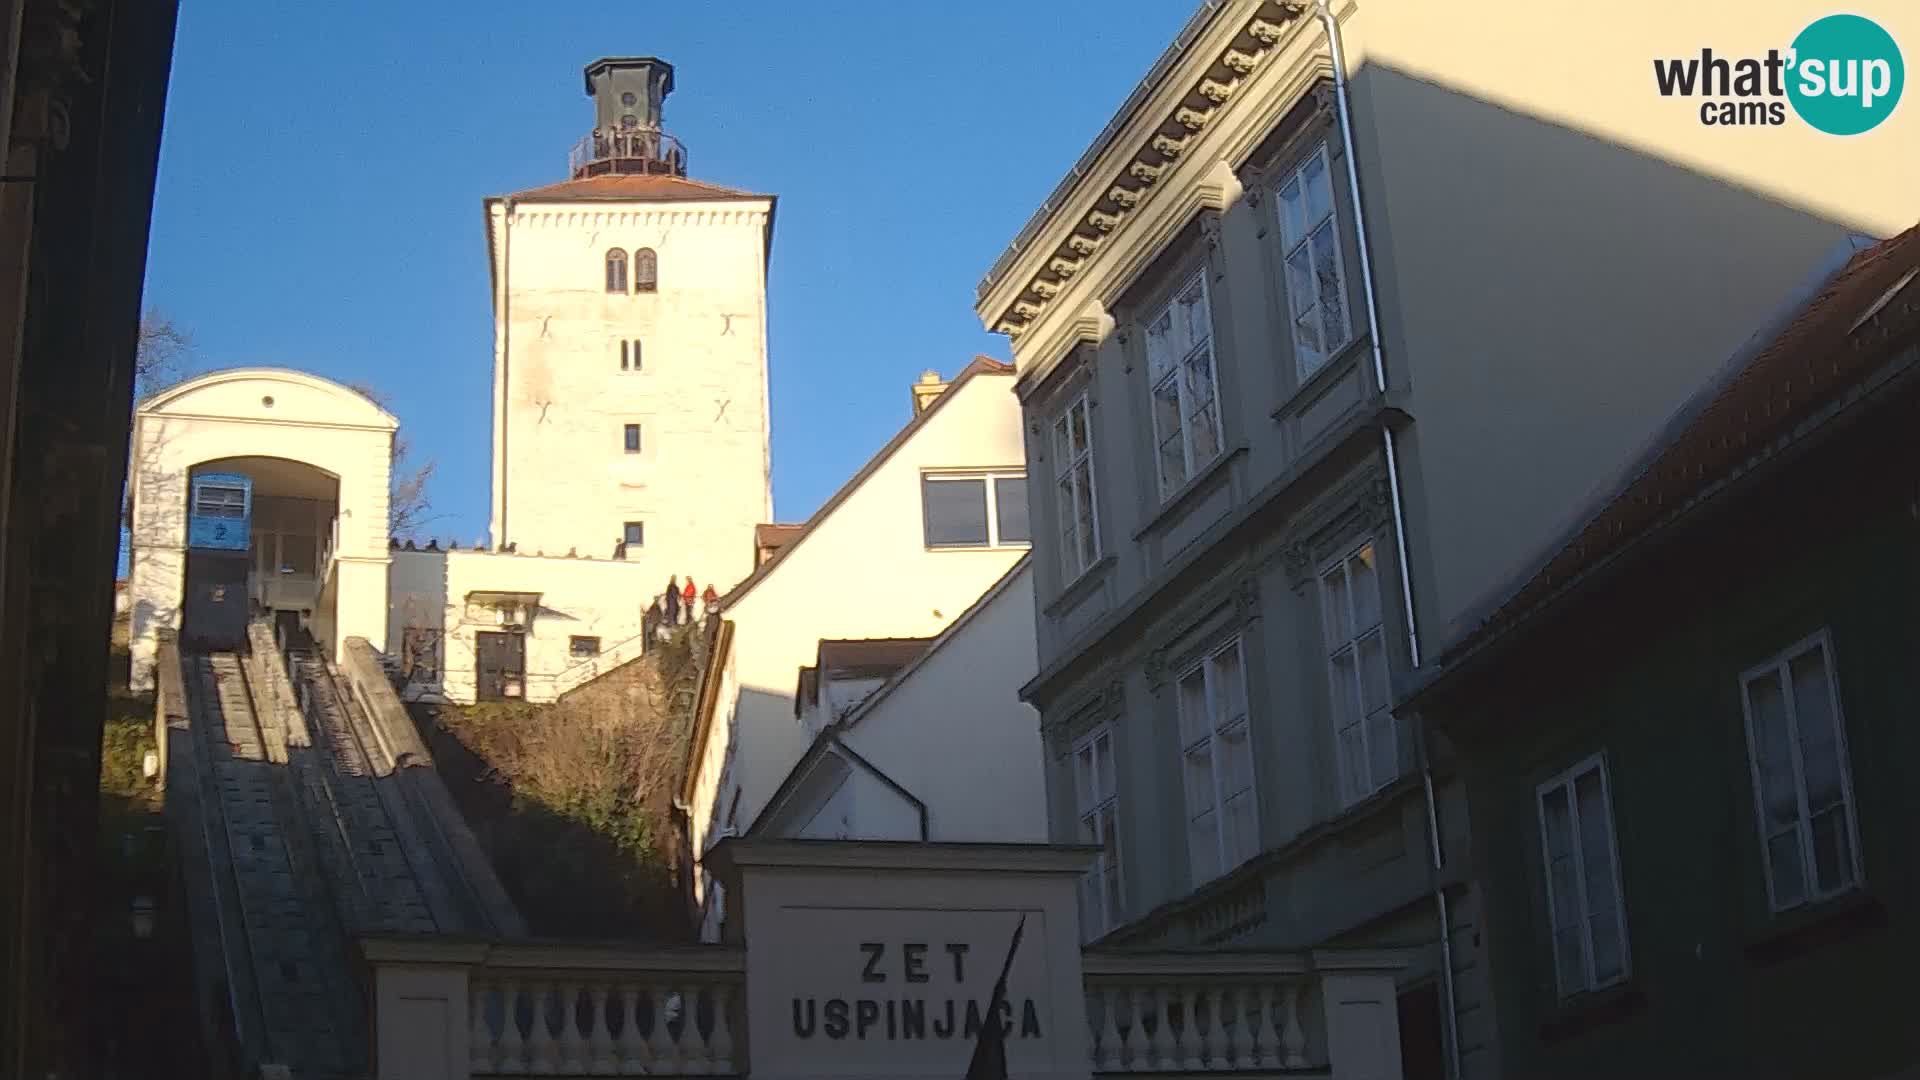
point(1241, 837)
point(1309, 348)
point(1383, 749)
point(1083, 780)
point(1236, 761)
point(1335, 614)
point(1814, 723)
point(1193, 708)
point(1353, 763)
point(1173, 463)
point(956, 511)
point(1010, 507)
point(1375, 685)
point(1343, 688)
point(1313, 176)
point(1566, 960)
point(1596, 865)
point(1773, 747)
point(1203, 848)
point(1230, 687)
point(1365, 576)
point(1293, 212)
point(1083, 506)
point(1832, 850)
point(1077, 429)
point(1199, 781)
point(1205, 432)
point(1196, 321)
point(1557, 818)
point(1199, 372)
point(1161, 351)
point(1331, 293)
point(1062, 445)
point(1300, 288)
point(1785, 866)
point(1103, 766)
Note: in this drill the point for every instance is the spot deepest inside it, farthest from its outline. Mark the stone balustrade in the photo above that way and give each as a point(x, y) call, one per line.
point(449, 1008)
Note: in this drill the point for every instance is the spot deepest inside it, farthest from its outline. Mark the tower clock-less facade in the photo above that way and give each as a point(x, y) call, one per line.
point(630, 350)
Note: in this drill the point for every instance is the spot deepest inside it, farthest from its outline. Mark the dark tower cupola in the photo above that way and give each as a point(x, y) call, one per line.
point(628, 94)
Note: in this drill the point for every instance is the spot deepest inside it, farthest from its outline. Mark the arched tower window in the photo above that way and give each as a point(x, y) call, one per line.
point(616, 271)
point(646, 270)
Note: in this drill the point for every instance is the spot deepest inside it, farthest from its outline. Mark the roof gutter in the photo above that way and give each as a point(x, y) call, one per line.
point(1437, 861)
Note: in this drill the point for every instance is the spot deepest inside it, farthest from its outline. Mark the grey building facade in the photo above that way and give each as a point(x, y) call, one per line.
point(1274, 445)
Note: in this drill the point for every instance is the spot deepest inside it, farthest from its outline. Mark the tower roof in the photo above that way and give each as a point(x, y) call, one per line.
point(633, 187)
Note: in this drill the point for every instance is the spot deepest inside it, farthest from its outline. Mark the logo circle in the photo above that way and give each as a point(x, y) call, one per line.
point(1847, 74)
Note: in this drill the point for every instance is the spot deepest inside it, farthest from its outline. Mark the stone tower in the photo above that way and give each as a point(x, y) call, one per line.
point(630, 349)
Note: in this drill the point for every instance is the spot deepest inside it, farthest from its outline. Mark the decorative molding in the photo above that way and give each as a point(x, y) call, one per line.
point(1210, 234)
point(1044, 289)
point(1246, 599)
point(1241, 52)
point(1360, 505)
point(1156, 668)
point(1192, 119)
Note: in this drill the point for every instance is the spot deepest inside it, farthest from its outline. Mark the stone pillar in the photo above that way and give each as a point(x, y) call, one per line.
point(420, 1008)
point(1358, 996)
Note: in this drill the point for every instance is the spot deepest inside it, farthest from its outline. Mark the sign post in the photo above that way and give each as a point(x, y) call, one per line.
point(876, 959)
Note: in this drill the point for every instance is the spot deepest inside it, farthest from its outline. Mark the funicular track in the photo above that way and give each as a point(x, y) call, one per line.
point(293, 996)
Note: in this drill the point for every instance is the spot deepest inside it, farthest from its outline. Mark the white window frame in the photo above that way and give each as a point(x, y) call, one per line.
point(1779, 664)
point(1587, 980)
point(1174, 371)
point(1073, 480)
point(1089, 806)
point(1306, 363)
point(1221, 720)
point(987, 478)
point(1352, 789)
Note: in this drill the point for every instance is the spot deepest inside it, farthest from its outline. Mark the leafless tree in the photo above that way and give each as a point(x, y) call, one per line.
point(160, 358)
point(409, 506)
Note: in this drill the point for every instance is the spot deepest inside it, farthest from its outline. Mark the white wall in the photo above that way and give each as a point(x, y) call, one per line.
point(588, 597)
point(562, 478)
point(266, 413)
point(863, 572)
point(954, 732)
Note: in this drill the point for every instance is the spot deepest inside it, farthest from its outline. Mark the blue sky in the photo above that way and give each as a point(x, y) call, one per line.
point(323, 166)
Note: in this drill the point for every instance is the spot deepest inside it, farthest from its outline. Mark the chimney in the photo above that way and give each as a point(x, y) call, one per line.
point(929, 387)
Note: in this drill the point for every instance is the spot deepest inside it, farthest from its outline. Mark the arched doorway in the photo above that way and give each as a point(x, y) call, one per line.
point(280, 563)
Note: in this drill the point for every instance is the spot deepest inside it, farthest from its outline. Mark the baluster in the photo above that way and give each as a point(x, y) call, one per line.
point(695, 1054)
point(600, 1040)
point(1190, 1036)
point(1162, 1044)
point(1261, 1054)
point(479, 1036)
point(633, 1045)
point(660, 1046)
point(513, 1050)
point(1293, 1038)
point(1106, 1041)
point(721, 1042)
point(573, 1046)
point(542, 1050)
point(1225, 998)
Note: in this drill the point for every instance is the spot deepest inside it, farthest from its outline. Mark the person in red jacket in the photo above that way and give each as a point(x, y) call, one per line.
point(687, 597)
point(708, 599)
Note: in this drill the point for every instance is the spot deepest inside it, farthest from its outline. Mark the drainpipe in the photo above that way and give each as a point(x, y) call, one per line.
point(1338, 56)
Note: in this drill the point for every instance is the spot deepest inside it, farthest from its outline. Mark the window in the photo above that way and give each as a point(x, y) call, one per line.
point(420, 654)
point(646, 271)
point(1186, 415)
point(583, 648)
point(1316, 281)
point(616, 271)
point(1222, 831)
point(975, 510)
point(1096, 800)
point(632, 436)
point(1802, 790)
point(1073, 476)
point(221, 502)
point(634, 534)
point(1359, 687)
point(630, 354)
point(1583, 879)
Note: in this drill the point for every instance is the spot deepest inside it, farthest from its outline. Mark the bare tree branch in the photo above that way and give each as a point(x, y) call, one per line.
point(409, 505)
point(160, 358)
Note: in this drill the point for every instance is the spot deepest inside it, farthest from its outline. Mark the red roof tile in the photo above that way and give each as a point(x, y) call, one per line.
point(634, 187)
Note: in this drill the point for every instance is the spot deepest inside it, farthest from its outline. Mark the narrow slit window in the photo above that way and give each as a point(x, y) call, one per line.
point(632, 438)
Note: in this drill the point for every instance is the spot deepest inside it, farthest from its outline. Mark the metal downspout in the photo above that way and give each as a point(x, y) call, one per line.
point(1338, 56)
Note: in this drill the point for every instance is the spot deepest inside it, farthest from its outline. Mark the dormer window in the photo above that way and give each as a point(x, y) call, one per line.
point(646, 270)
point(616, 271)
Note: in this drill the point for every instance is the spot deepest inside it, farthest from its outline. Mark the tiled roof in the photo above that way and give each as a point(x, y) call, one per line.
point(870, 656)
point(1735, 417)
point(633, 187)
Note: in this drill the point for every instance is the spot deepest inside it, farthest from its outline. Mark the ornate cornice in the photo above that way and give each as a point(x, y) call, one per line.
point(1229, 70)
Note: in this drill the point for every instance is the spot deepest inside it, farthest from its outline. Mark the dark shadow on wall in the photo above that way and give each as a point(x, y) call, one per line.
point(1549, 298)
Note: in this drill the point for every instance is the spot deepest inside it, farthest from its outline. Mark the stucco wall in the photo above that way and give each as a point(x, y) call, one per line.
point(956, 718)
point(863, 572)
point(562, 477)
point(1564, 255)
point(586, 597)
point(267, 413)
